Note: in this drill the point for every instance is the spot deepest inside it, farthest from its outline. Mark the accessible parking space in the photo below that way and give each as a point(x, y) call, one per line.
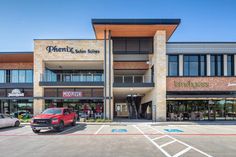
point(121, 140)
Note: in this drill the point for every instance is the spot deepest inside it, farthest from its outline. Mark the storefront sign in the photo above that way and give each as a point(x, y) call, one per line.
point(190, 84)
point(16, 93)
point(72, 50)
point(71, 94)
point(231, 84)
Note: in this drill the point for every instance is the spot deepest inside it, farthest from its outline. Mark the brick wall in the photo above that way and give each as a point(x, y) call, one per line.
point(200, 83)
point(16, 65)
point(131, 65)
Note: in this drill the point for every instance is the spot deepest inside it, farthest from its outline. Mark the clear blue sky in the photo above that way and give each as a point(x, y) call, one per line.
point(21, 21)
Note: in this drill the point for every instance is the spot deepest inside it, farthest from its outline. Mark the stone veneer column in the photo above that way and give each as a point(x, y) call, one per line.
point(235, 65)
point(159, 91)
point(225, 65)
point(208, 59)
point(38, 70)
point(181, 65)
point(109, 107)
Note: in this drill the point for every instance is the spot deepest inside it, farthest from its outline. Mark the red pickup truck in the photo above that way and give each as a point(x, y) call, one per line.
point(53, 118)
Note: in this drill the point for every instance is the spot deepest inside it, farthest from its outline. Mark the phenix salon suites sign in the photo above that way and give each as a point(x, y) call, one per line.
point(189, 84)
point(69, 49)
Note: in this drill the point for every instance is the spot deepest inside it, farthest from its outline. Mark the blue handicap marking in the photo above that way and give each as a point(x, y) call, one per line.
point(173, 130)
point(119, 130)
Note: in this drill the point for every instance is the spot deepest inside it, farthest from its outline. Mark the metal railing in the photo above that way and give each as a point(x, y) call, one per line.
point(72, 77)
point(132, 79)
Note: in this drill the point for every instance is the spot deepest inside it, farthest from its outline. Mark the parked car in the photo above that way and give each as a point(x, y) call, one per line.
point(8, 121)
point(23, 114)
point(53, 119)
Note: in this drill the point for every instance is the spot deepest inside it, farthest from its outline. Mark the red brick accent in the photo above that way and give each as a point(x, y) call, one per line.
point(130, 65)
point(16, 65)
point(207, 83)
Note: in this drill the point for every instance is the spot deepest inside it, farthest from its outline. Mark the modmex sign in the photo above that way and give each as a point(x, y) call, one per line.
point(69, 49)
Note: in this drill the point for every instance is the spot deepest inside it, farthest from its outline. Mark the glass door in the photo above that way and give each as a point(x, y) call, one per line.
point(211, 111)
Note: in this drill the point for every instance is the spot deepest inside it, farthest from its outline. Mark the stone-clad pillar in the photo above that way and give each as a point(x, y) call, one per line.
point(39, 68)
point(109, 80)
point(208, 65)
point(181, 65)
point(159, 91)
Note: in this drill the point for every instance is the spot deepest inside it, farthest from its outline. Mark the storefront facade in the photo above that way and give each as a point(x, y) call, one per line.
point(129, 71)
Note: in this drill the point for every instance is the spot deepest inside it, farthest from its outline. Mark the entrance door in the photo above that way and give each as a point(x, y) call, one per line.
point(211, 111)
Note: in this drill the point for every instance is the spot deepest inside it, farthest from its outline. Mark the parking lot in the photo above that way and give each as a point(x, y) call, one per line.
point(137, 140)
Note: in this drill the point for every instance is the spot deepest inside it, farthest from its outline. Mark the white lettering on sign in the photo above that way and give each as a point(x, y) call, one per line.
point(71, 94)
point(16, 93)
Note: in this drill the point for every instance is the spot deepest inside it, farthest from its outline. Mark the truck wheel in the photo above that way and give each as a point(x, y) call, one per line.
point(74, 122)
point(17, 124)
point(36, 131)
point(60, 127)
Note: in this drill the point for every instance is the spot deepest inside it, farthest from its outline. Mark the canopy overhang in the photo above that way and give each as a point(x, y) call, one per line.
point(134, 27)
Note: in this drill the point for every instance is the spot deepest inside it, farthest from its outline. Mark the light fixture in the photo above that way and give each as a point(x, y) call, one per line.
point(147, 62)
point(131, 89)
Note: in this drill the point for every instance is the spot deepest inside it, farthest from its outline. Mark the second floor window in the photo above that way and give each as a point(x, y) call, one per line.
point(217, 65)
point(21, 76)
point(173, 66)
point(194, 65)
point(230, 65)
point(2, 76)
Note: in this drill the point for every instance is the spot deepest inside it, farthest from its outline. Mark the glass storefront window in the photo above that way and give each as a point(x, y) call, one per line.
point(230, 65)
point(89, 77)
point(29, 76)
point(173, 65)
point(22, 109)
point(14, 76)
point(2, 76)
point(21, 76)
point(201, 110)
point(216, 65)
point(194, 65)
point(97, 77)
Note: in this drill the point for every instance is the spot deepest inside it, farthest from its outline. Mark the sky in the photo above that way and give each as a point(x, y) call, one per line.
point(21, 21)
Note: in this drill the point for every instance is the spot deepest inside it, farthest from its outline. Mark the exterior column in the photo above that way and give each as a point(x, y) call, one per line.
point(39, 68)
point(235, 65)
point(105, 74)
point(181, 65)
point(159, 91)
point(208, 65)
point(225, 65)
point(108, 88)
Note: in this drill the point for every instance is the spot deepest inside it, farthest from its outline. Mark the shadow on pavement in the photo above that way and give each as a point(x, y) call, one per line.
point(10, 128)
point(67, 130)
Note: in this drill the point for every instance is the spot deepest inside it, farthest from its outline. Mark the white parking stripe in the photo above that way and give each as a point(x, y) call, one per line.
point(154, 143)
point(66, 130)
point(183, 143)
point(166, 144)
point(157, 138)
point(99, 129)
point(182, 152)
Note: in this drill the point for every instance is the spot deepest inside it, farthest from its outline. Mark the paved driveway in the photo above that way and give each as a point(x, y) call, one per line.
point(122, 140)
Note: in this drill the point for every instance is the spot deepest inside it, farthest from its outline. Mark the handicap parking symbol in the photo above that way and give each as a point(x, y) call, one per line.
point(173, 130)
point(119, 130)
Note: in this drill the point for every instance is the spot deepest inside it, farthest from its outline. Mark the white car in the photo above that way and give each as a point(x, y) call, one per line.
point(7, 121)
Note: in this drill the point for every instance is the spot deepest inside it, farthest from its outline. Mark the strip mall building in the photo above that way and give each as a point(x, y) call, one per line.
point(129, 70)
